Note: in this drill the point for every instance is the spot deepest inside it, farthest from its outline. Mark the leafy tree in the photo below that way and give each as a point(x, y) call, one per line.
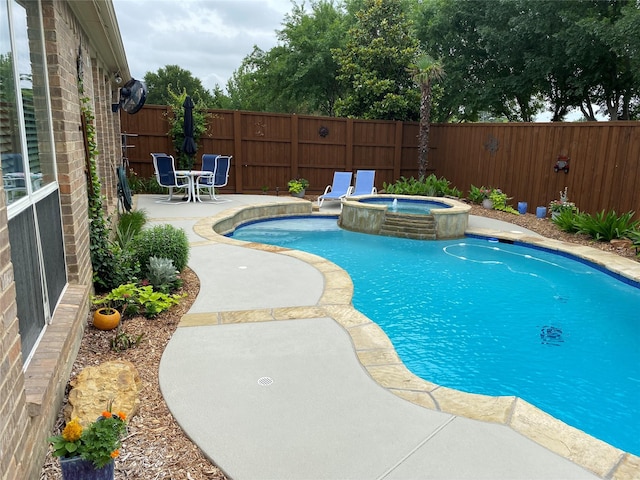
point(309, 73)
point(373, 64)
point(176, 125)
point(220, 100)
point(247, 86)
point(489, 66)
point(625, 37)
point(512, 77)
point(173, 78)
point(450, 30)
point(612, 40)
point(299, 74)
point(585, 54)
point(425, 72)
point(506, 56)
point(7, 83)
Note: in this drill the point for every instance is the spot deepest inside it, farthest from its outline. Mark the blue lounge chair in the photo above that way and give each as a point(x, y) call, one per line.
point(340, 188)
point(364, 183)
point(217, 176)
point(164, 166)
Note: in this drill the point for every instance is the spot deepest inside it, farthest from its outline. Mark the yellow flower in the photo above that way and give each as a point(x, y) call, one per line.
point(122, 415)
point(115, 453)
point(106, 414)
point(72, 431)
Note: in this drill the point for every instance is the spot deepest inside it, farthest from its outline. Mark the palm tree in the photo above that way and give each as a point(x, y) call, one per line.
point(425, 72)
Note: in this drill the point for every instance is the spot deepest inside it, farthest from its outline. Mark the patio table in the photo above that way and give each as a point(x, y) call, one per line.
point(191, 175)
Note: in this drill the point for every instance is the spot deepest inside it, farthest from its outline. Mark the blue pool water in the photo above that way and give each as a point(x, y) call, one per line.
point(406, 205)
point(494, 318)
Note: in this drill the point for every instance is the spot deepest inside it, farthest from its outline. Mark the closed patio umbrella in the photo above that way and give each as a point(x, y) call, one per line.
point(189, 147)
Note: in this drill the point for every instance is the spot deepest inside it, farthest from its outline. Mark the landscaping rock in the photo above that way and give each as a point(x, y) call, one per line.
point(116, 383)
point(621, 243)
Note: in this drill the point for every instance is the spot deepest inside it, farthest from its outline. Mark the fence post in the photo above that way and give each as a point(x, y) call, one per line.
point(293, 161)
point(237, 149)
point(348, 160)
point(397, 154)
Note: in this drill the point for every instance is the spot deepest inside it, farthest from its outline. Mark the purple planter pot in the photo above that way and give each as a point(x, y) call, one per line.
point(75, 468)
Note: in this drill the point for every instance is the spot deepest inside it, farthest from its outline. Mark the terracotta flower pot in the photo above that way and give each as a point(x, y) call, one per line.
point(106, 318)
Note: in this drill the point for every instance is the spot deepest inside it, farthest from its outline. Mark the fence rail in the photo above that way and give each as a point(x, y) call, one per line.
point(269, 149)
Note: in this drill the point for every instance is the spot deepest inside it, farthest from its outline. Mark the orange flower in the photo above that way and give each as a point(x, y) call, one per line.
point(122, 415)
point(106, 414)
point(72, 431)
point(115, 453)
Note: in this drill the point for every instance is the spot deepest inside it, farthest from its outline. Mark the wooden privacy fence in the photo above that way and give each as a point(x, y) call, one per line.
point(269, 149)
point(603, 161)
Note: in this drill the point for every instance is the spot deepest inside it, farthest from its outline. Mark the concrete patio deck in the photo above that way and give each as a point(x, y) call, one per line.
point(274, 375)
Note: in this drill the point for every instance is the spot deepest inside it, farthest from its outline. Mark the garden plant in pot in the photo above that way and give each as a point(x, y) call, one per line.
point(487, 201)
point(481, 195)
point(106, 318)
point(113, 306)
point(298, 186)
point(557, 207)
point(88, 453)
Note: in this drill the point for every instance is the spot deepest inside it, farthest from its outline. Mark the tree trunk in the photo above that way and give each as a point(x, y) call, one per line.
point(425, 114)
point(587, 109)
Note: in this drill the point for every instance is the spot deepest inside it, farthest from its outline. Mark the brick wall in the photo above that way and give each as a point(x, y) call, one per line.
point(12, 396)
point(31, 397)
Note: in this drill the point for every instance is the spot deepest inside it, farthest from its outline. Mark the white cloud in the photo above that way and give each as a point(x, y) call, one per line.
point(207, 37)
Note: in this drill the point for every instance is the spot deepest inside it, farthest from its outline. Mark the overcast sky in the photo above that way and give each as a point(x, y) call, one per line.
point(207, 37)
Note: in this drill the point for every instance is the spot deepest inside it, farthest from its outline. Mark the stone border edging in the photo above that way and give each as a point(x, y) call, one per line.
point(380, 360)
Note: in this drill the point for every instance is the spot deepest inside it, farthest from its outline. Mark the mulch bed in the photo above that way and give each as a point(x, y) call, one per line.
point(155, 447)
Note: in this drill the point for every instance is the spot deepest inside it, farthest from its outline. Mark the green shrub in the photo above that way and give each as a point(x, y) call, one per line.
point(499, 200)
point(129, 225)
point(131, 299)
point(605, 227)
point(566, 220)
point(122, 298)
point(430, 186)
point(476, 194)
point(634, 236)
point(164, 241)
point(139, 184)
point(162, 274)
point(133, 220)
point(154, 302)
point(113, 266)
point(453, 192)
point(123, 341)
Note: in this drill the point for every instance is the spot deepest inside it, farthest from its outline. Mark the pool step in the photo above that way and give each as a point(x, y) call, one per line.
point(419, 227)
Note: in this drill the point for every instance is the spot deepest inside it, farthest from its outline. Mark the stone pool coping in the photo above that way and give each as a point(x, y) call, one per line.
point(380, 360)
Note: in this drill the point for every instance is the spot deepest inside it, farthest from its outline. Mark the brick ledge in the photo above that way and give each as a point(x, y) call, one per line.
point(50, 366)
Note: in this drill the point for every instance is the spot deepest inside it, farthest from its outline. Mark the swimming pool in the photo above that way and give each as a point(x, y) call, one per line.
point(494, 318)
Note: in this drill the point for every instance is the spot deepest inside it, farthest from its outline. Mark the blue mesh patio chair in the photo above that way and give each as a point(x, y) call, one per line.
point(339, 189)
point(217, 174)
point(364, 183)
point(164, 166)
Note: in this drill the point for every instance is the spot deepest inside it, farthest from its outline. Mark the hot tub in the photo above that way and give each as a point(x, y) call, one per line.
point(406, 216)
